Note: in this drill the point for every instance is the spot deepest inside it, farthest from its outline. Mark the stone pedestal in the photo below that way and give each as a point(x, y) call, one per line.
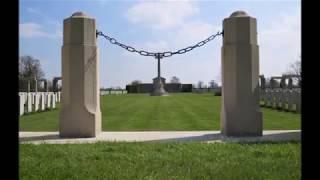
point(80, 114)
point(158, 87)
point(240, 113)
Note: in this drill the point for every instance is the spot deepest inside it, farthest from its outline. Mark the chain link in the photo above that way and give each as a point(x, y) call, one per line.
point(159, 54)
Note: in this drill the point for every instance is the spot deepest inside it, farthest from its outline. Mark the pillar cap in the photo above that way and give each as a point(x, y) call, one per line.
point(79, 14)
point(239, 13)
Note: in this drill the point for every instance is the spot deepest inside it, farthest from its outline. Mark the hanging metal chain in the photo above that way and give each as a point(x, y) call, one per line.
point(159, 54)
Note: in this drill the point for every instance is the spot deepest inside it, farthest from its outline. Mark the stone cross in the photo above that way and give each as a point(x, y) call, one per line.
point(158, 85)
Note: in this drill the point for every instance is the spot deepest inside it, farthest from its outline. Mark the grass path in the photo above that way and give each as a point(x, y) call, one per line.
point(141, 112)
point(161, 161)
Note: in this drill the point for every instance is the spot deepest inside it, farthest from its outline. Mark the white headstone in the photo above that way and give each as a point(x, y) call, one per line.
point(54, 97)
point(32, 96)
point(284, 99)
point(21, 102)
point(42, 102)
point(297, 100)
point(48, 98)
point(59, 96)
point(290, 100)
point(29, 103)
point(36, 106)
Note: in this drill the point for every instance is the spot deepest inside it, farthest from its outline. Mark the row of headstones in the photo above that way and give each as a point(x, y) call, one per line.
point(206, 90)
point(282, 99)
point(113, 92)
point(37, 101)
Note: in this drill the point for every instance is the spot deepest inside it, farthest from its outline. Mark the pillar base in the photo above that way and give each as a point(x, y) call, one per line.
point(159, 90)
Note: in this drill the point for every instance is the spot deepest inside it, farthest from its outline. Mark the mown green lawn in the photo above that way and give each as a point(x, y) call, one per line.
point(172, 160)
point(141, 112)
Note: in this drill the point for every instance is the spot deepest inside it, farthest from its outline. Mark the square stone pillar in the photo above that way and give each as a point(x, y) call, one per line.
point(80, 114)
point(240, 112)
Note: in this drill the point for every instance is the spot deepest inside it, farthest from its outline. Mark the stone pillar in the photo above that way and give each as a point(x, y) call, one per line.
point(240, 112)
point(80, 114)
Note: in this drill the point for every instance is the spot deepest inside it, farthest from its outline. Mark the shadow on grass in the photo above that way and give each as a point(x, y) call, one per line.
point(40, 137)
point(279, 137)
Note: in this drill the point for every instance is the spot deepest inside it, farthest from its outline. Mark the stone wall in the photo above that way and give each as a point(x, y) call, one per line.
point(169, 87)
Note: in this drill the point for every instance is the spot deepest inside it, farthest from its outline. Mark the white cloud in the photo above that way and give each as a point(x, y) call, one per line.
point(161, 14)
point(157, 46)
point(32, 30)
point(280, 44)
point(31, 10)
point(193, 32)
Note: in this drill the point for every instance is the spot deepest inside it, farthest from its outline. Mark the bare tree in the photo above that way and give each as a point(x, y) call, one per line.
point(30, 68)
point(294, 69)
point(175, 79)
point(200, 84)
point(213, 84)
point(136, 82)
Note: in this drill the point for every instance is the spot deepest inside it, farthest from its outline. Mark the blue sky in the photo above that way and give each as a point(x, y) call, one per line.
point(160, 26)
